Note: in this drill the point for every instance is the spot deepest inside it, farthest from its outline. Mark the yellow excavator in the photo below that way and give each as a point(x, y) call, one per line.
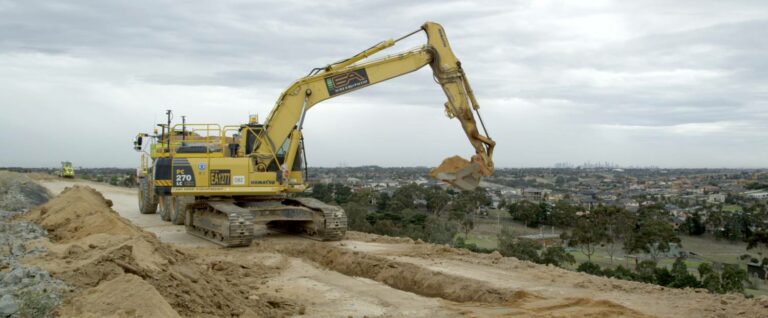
point(220, 181)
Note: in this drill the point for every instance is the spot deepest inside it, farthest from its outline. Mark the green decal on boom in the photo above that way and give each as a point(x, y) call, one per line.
point(341, 83)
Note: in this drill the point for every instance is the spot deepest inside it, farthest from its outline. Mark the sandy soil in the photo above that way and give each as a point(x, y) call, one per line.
point(365, 275)
point(125, 202)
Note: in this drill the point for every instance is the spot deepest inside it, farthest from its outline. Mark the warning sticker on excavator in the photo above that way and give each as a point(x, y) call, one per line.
point(341, 83)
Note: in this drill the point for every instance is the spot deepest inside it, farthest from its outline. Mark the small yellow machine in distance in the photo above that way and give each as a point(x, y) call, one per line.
point(67, 171)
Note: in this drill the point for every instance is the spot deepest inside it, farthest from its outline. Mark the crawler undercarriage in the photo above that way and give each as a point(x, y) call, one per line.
point(231, 222)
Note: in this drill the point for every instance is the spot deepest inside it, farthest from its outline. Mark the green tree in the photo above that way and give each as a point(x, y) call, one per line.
point(386, 227)
point(759, 219)
point(590, 268)
point(653, 237)
point(682, 278)
point(646, 271)
point(526, 212)
point(716, 221)
point(559, 181)
point(694, 225)
point(618, 223)
point(733, 278)
point(624, 273)
point(467, 224)
point(712, 283)
point(705, 269)
point(556, 255)
point(679, 268)
point(653, 234)
point(563, 214)
point(363, 197)
point(733, 227)
point(357, 217)
point(757, 238)
point(437, 199)
point(439, 230)
point(463, 211)
point(341, 193)
point(663, 276)
point(588, 232)
point(382, 203)
point(403, 197)
point(322, 192)
point(523, 249)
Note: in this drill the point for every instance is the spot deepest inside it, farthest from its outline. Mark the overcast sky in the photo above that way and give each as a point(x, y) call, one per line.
point(662, 83)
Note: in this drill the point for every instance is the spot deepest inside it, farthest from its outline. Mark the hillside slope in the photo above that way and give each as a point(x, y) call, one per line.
point(364, 275)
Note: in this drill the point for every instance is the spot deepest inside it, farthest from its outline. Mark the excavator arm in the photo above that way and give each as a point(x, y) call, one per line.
point(347, 75)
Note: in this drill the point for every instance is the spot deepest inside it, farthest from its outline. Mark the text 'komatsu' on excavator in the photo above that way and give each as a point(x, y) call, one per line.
point(221, 180)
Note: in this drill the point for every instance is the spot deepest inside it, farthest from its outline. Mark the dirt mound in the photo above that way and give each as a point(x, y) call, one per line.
point(125, 296)
point(94, 246)
point(18, 192)
point(192, 287)
point(78, 212)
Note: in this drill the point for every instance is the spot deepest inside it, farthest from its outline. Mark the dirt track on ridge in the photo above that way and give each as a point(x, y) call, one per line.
point(374, 276)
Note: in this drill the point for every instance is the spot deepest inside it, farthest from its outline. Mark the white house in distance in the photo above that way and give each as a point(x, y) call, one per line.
point(756, 194)
point(716, 198)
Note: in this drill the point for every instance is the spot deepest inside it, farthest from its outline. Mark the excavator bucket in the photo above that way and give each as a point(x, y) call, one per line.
point(458, 172)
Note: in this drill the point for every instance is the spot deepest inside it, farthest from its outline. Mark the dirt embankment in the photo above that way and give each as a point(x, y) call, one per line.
point(118, 269)
point(470, 296)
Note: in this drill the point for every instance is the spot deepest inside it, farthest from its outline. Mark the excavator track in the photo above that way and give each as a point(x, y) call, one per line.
point(334, 217)
point(231, 224)
point(221, 222)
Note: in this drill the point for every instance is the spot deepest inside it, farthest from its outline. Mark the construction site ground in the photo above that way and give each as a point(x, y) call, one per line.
point(127, 264)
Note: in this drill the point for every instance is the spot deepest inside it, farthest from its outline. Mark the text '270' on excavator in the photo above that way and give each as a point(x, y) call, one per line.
point(221, 181)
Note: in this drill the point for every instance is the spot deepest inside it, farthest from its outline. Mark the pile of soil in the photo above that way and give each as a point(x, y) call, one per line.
point(117, 268)
point(79, 212)
point(125, 296)
point(19, 193)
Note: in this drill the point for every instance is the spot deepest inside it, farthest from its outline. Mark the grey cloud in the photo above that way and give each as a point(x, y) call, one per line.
point(599, 74)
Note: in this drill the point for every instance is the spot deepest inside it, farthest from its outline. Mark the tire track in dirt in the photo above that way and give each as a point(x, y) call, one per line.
point(457, 289)
point(554, 283)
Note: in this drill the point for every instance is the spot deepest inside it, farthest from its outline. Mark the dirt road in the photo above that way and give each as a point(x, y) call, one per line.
point(373, 276)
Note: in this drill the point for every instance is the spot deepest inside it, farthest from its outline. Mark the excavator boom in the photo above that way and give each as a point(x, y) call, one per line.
point(348, 75)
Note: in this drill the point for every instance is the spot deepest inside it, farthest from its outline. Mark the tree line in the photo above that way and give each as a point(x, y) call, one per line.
point(437, 215)
point(431, 214)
